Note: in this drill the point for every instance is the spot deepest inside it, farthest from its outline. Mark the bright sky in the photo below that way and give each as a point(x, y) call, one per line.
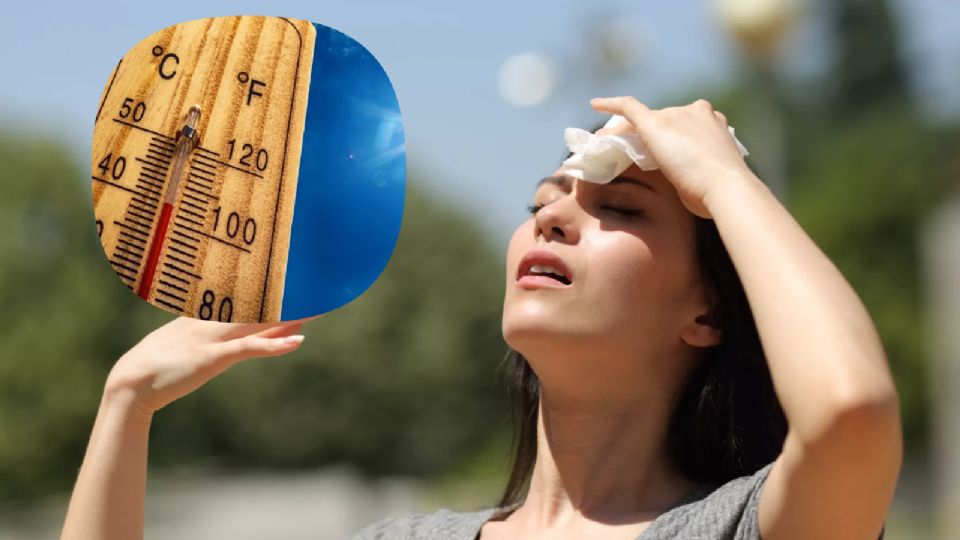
point(480, 152)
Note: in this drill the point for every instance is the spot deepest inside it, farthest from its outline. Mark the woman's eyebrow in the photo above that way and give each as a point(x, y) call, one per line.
point(565, 181)
point(561, 180)
point(632, 180)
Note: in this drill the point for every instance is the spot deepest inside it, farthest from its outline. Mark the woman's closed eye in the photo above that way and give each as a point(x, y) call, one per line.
point(622, 211)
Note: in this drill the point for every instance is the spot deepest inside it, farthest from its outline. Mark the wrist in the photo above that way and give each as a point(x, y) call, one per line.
point(733, 189)
point(123, 402)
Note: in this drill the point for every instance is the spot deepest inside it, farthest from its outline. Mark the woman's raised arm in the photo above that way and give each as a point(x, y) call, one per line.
point(169, 363)
point(836, 475)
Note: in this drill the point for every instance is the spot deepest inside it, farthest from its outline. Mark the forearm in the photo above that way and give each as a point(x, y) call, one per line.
point(826, 358)
point(108, 498)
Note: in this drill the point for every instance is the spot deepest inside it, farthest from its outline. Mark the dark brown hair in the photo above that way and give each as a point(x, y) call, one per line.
point(727, 421)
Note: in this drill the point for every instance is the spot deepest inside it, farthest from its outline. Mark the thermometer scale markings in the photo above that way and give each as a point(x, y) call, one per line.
point(198, 192)
point(188, 219)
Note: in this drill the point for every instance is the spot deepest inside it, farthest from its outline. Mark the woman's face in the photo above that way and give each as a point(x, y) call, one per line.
point(625, 252)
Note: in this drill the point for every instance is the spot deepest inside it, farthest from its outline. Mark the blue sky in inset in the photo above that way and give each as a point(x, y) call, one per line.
point(351, 186)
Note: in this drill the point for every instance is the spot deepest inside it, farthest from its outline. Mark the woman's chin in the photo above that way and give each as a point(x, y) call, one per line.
point(526, 335)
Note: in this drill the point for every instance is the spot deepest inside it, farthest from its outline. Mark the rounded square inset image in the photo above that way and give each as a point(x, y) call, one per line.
point(248, 169)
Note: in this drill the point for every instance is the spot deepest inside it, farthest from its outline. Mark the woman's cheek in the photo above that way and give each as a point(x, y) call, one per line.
point(617, 258)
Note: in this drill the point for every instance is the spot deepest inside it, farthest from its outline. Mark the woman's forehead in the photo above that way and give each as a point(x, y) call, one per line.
point(653, 179)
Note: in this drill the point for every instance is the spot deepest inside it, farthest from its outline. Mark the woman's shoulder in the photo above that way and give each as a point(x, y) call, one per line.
point(725, 511)
point(443, 523)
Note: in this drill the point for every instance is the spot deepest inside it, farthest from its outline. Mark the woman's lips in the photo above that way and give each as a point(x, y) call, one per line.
point(542, 268)
point(540, 282)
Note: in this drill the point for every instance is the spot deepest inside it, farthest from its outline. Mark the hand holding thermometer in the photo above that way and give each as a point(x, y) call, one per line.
point(291, 205)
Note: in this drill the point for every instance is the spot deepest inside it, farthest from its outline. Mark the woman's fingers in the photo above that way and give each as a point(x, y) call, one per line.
point(619, 104)
point(236, 330)
point(286, 328)
point(703, 104)
point(621, 129)
point(280, 331)
point(218, 332)
point(638, 113)
point(627, 106)
point(228, 331)
point(254, 346)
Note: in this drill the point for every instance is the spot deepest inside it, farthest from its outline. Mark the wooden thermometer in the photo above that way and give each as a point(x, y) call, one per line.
point(248, 169)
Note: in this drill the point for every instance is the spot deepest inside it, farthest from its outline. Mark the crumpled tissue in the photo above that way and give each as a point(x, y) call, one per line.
point(601, 158)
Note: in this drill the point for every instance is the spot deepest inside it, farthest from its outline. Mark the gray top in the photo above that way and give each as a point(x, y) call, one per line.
point(727, 512)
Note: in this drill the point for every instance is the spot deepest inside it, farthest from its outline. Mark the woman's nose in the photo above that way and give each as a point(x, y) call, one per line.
point(558, 220)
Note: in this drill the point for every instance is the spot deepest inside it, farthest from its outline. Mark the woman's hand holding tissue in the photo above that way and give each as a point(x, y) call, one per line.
point(692, 145)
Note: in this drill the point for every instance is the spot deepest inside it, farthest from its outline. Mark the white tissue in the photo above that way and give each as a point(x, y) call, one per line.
point(601, 158)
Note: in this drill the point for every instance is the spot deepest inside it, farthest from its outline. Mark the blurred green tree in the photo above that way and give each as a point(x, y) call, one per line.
point(868, 68)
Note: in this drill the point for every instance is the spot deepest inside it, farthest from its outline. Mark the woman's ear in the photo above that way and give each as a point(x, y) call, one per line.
point(704, 331)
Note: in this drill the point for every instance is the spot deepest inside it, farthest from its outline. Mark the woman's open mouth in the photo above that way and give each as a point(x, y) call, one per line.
point(541, 268)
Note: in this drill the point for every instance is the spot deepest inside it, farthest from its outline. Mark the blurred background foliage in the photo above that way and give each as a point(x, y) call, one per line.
point(404, 380)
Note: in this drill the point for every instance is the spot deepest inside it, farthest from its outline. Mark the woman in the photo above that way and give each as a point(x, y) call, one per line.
point(630, 424)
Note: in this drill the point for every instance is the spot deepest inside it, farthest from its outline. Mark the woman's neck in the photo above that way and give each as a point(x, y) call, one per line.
point(604, 463)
